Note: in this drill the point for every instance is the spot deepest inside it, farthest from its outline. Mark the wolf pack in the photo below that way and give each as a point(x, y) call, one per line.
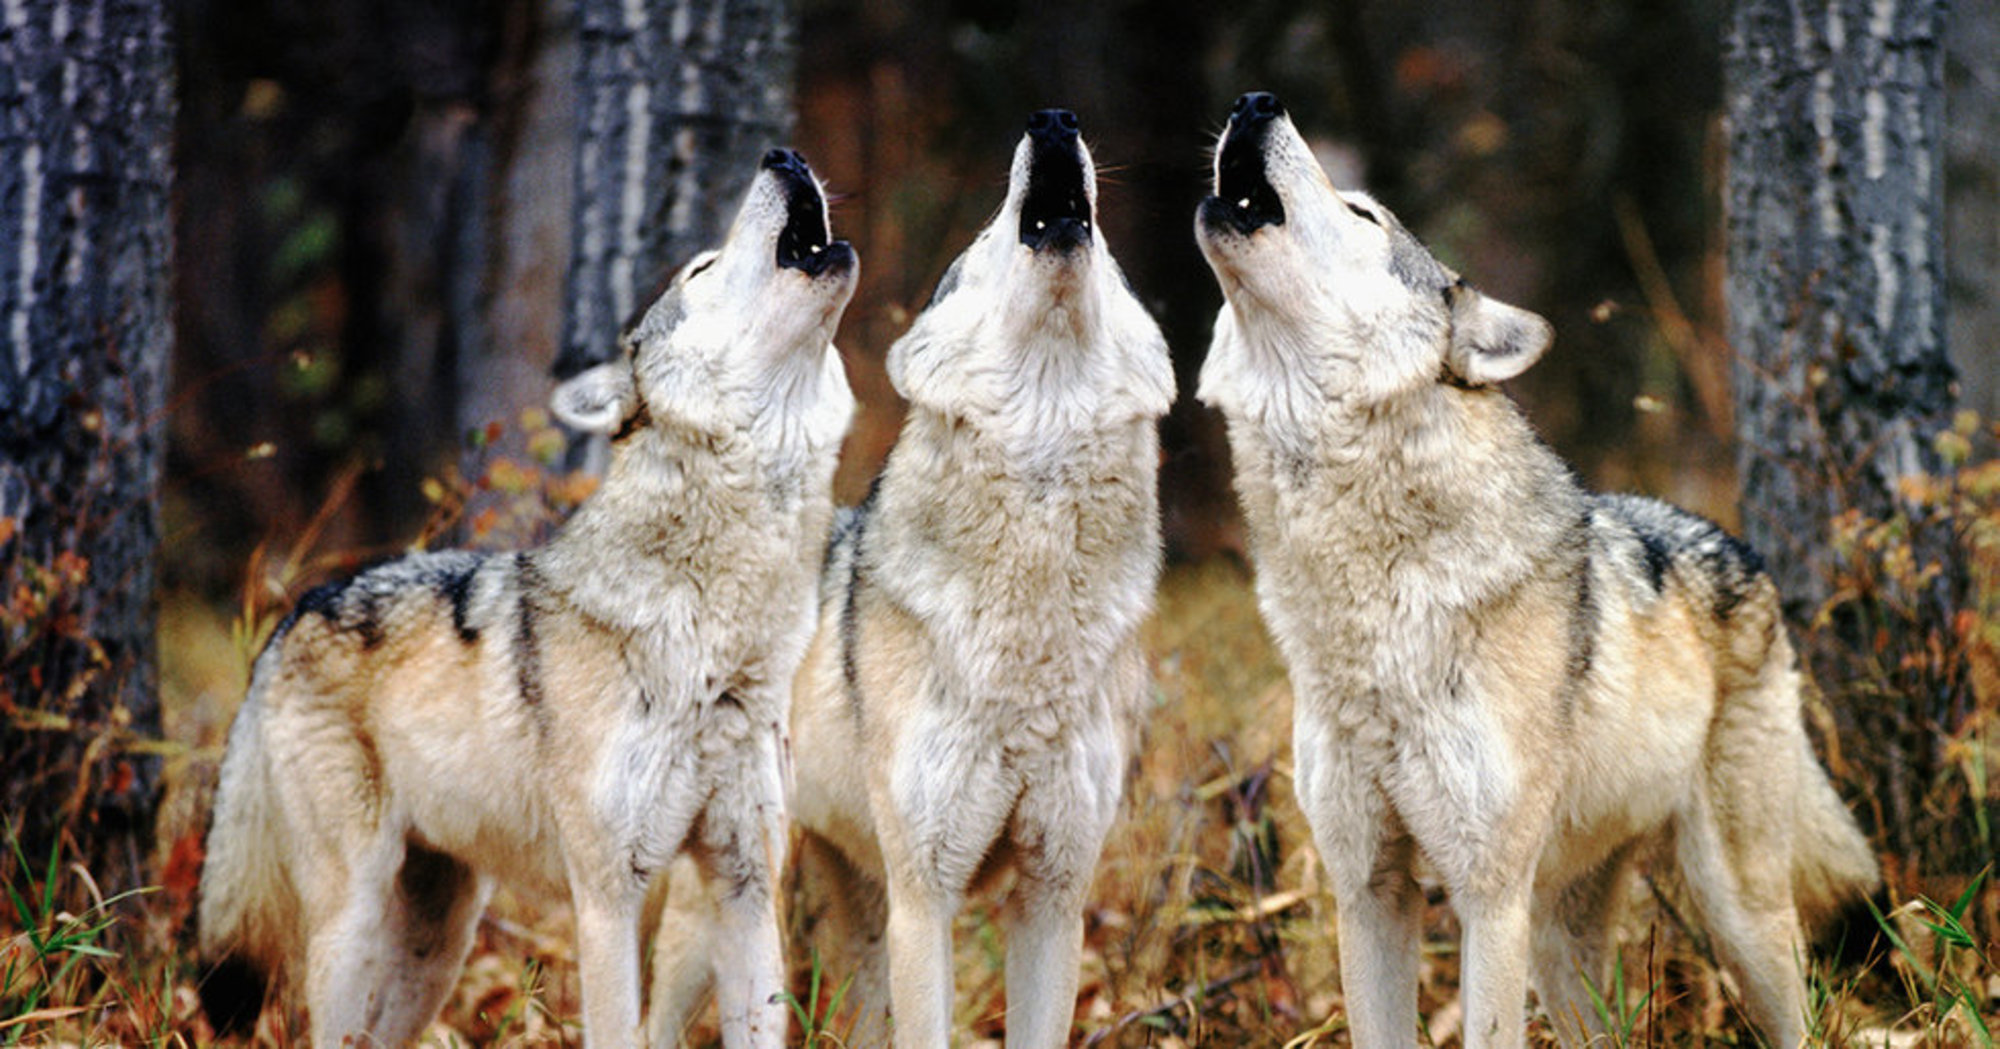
point(710, 673)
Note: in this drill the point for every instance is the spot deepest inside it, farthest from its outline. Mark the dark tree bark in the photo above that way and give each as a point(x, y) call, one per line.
point(676, 100)
point(85, 170)
point(1836, 293)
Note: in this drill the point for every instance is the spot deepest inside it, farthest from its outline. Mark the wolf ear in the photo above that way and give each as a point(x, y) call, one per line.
point(597, 400)
point(1491, 342)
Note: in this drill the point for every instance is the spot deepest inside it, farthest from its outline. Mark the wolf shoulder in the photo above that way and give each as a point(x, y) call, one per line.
point(1654, 550)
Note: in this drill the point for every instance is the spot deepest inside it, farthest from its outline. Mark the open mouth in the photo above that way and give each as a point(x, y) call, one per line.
point(1055, 211)
point(806, 243)
point(1244, 198)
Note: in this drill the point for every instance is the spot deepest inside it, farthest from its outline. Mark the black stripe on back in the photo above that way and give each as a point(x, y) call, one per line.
point(1582, 627)
point(527, 653)
point(850, 615)
point(1658, 558)
point(457, 586)
point(330, 602)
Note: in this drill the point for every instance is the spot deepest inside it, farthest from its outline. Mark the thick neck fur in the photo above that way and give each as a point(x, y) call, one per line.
point(1408, 480)
point(757, 447)
point(1041, 373)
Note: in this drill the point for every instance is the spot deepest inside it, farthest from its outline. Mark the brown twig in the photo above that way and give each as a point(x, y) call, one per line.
point(1169, 1007)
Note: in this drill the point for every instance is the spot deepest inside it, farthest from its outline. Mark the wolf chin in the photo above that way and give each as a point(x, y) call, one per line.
point(971, 700)
point(572, 717)
point(1526, 685)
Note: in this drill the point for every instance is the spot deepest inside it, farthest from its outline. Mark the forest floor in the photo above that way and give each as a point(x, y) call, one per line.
point(1210, 923)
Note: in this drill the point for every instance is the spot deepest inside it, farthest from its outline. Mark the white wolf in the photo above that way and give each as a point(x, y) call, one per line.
point(573, 716)
point(1525, 684)
point(970, 702)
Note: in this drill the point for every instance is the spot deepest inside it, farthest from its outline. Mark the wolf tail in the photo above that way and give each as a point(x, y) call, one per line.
point(1833, 866)
point(247, 898)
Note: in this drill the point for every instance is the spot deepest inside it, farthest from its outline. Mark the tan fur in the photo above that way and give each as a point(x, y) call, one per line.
point(1520, 683)
point(987, 600)
point(574, 717)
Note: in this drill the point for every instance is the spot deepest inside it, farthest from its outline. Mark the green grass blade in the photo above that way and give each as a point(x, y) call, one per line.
point(1964, 901)
point(49, 883)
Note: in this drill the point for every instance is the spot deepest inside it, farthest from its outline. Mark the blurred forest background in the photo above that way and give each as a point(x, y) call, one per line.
point(373, 215)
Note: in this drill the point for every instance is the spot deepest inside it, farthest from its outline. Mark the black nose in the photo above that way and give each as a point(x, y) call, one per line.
point(1256, 107)
point(1059, 124)
point(785, 160)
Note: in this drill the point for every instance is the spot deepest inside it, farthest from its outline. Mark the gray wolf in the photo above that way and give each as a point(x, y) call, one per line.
point(972, 697)
point(1526, 685)
point(575, 716)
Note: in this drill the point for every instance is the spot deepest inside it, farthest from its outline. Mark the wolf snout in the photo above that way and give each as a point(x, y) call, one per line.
point(1256, 107)
point(787, 161)
point(1060, 124)
point(1055, 213)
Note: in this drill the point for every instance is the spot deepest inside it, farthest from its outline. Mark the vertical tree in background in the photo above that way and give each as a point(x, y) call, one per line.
point(1837, 313)
point(86, 115)
point(676, 101)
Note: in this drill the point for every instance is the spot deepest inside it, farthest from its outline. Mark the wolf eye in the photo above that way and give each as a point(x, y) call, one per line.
point(1364, 213)
point(699, 264)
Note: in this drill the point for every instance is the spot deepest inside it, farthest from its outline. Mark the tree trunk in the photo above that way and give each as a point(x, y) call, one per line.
point(1836, 293)
point(513, 301)
point(85, 177)
point(676, 100)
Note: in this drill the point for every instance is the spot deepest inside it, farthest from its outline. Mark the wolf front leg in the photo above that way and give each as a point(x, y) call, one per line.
point(608, 909)
point(920, 984)
point(1067, 806)
point(940, 805)
point(1493, 981)
point(1372, 861)
point(1044, 947)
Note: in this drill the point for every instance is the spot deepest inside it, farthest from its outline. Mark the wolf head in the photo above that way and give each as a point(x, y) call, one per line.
point(734, 320)
point(1309, 271)
point(1036, 298)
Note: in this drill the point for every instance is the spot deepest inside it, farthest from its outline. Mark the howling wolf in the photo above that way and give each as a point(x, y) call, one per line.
point(572, 716)
point(1524, 684)
point(970, 702)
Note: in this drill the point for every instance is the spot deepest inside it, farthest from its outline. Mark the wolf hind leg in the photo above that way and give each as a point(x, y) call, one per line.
point(381, 967)
point(1734, 847)
point(1737, 839)
point(850, 910)
point(1575, 946)
point(683, 949)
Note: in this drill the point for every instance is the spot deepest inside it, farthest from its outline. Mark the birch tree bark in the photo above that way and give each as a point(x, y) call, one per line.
point(86, 117)
point(676, 100)
point(1837, 313)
